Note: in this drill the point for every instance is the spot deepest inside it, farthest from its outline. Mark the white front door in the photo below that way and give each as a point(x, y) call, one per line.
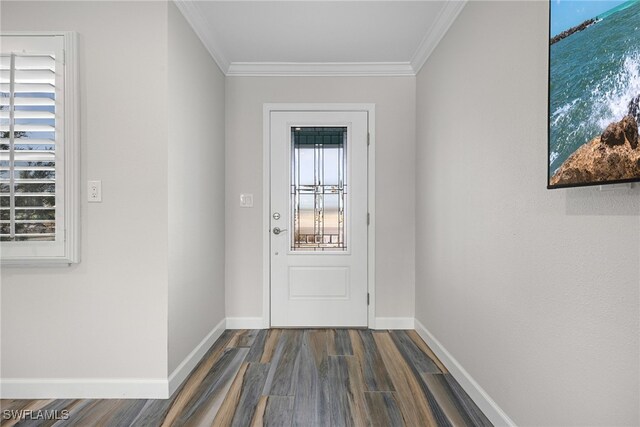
point(318, 219)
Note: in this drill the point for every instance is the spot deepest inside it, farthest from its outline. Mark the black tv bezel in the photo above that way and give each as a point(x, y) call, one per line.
point(548, 168)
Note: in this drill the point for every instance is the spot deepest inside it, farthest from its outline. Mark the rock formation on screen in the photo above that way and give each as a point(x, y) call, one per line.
point(614, 155)
point(572, 30)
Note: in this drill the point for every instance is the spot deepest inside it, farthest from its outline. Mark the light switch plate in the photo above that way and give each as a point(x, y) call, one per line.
point(246, 200)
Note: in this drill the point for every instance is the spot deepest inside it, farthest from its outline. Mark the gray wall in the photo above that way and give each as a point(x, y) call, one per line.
point(105, 317)
point(152, 269)
point(534, 292)
point(395, 144)
point(196, 190)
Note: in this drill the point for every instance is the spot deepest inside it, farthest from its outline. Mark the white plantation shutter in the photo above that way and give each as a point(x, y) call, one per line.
point(35, 166)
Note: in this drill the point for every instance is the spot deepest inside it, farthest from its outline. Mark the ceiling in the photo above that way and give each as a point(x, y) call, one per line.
point(320, 37)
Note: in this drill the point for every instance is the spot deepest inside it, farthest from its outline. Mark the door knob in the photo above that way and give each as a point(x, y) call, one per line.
point(278, 230)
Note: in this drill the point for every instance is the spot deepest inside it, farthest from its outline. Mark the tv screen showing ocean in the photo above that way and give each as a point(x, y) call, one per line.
point(594, 83)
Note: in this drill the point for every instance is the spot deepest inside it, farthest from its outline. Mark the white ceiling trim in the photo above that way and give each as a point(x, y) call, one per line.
point(447, 15)
point(193, 15)
point(281, 69)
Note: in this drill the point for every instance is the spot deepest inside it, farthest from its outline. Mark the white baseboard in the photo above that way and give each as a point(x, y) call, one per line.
point(84, 388)
point(189, 363)
point(379, 323)
point(487, 405)
point(394, 323)
point(161, 388)
point(245, 323)
point(109, 388)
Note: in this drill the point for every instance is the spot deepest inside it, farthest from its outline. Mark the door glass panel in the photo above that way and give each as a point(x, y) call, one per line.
point(318, 188)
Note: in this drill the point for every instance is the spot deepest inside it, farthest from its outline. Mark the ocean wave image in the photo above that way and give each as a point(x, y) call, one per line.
point(594, 92)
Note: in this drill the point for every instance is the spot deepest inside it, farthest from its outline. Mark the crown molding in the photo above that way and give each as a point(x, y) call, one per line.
point(193, 15)
point(281, 69)
point(447, 15)
point(445, 18)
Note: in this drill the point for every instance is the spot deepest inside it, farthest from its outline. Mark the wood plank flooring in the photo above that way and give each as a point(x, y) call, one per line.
point(290, 377)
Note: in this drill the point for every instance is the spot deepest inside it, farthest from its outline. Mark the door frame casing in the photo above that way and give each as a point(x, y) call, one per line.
point(268, 108)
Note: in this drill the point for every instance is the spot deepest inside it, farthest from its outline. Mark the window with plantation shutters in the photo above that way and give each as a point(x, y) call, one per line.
point(38, 154)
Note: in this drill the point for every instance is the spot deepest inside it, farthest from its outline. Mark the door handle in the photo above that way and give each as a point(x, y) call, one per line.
point(278, 230)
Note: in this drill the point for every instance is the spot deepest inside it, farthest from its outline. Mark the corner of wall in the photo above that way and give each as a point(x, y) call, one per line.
point(480, 397)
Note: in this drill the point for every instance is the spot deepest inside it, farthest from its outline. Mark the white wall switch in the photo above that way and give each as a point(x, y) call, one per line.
point(246, 200)
point(94, 190)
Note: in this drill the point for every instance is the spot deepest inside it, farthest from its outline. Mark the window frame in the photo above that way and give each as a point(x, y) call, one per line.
point(69, 229)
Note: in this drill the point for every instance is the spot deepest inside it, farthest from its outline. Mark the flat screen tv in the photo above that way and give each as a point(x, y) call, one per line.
point(594, 93)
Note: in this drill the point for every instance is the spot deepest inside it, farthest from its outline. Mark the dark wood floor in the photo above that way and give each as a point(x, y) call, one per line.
point(292, 377)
